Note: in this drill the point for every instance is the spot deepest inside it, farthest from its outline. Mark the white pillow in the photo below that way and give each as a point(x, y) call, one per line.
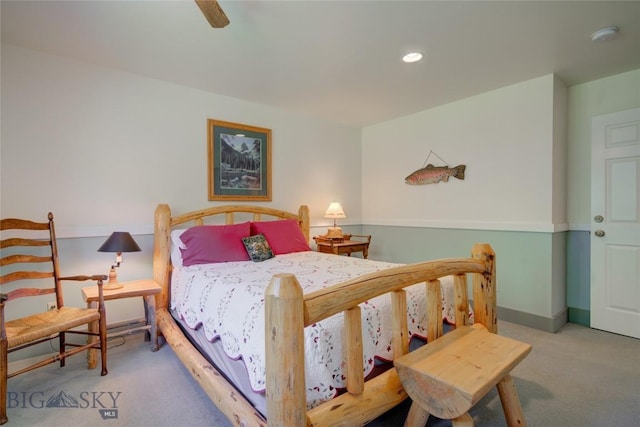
point(176, 244)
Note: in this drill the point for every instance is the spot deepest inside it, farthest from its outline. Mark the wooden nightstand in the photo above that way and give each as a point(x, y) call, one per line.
point(345, 245)
point(146, 289)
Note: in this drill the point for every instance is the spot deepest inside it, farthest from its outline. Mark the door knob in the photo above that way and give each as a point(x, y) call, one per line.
point(599, 233)
point(598, 218)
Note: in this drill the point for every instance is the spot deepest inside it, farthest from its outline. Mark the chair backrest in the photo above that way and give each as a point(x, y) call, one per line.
point(31, 254)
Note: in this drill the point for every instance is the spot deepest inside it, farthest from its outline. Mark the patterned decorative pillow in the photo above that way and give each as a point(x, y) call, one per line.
point(258, 248)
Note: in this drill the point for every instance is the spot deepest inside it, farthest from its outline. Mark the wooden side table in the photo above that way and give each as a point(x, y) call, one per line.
point(344, 246)
point(146, 289)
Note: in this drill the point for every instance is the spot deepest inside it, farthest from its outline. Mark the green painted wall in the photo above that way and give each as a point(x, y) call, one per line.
point(522, 258)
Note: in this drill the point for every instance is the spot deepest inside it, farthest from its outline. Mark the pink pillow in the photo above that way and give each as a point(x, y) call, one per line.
point(206, 244)
point(284, 236)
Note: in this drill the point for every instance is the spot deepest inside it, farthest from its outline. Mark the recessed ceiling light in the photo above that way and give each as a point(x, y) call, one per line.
point(412, 57)
point(604, 34)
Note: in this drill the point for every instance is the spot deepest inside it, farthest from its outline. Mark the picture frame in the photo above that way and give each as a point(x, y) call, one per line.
point(239, 161)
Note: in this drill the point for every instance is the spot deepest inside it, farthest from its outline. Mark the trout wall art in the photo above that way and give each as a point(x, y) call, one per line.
point(431, 174)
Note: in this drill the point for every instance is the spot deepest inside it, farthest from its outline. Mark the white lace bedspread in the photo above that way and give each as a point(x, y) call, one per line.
point(227, 299)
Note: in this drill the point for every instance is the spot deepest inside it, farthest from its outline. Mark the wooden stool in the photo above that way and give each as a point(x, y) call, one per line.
point(449, 375)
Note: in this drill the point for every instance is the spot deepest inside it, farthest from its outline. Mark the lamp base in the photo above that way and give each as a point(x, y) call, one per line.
point(113, 281)
point(112, 286)
point(334, 232)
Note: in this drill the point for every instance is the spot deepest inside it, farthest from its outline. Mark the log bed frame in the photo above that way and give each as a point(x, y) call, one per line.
point(288, 311)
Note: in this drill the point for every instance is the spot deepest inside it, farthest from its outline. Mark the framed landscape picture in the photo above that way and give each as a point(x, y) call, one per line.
point(239, 161)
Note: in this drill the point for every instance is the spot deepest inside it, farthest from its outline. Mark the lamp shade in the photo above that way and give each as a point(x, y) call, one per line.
point(120, 241)
point(335, 211)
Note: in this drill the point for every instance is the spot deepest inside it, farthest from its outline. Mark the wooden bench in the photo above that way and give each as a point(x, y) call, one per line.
point(449, 375)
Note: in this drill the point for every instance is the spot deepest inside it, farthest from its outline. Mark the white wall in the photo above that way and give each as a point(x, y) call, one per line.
point(513, 141)
point(506, 139)
point(101, 148)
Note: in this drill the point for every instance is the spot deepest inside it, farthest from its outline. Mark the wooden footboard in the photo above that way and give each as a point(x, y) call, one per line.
point(288, 311)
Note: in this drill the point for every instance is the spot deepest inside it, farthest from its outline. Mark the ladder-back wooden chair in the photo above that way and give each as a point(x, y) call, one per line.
point(27, 246)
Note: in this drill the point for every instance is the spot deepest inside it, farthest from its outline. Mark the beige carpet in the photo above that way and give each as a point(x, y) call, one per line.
point(576, 377)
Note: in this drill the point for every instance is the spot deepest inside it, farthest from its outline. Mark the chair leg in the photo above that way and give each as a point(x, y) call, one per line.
point(4, 371)
point(94, 330)
point(510, 402)
point(103, 342)
point(92, 353)
point(61, 351)
point(417, 416)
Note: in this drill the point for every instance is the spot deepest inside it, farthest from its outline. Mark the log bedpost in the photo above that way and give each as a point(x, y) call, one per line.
point(303, 215)
point(284, 352)
point(484, 288)
point(161, 253)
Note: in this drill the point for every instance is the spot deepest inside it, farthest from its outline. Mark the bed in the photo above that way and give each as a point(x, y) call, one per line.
point(286, 301)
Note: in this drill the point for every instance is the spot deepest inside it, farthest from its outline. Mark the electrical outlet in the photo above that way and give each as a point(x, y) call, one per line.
point(51, 305)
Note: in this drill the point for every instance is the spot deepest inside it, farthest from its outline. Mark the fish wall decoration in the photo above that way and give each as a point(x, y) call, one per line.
point(434, 174)
point(431, 174)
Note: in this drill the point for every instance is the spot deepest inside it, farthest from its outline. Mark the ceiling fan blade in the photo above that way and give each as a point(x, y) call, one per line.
point(213, 12)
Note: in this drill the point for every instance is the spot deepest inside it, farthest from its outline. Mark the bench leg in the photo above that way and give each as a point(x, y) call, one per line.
point(510, 402)
point(463, 420)
point(417, 416)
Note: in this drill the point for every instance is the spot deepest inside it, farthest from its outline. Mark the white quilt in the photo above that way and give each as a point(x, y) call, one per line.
point(227, 299)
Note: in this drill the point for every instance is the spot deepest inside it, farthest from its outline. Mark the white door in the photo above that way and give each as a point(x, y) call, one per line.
point(615, 222)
